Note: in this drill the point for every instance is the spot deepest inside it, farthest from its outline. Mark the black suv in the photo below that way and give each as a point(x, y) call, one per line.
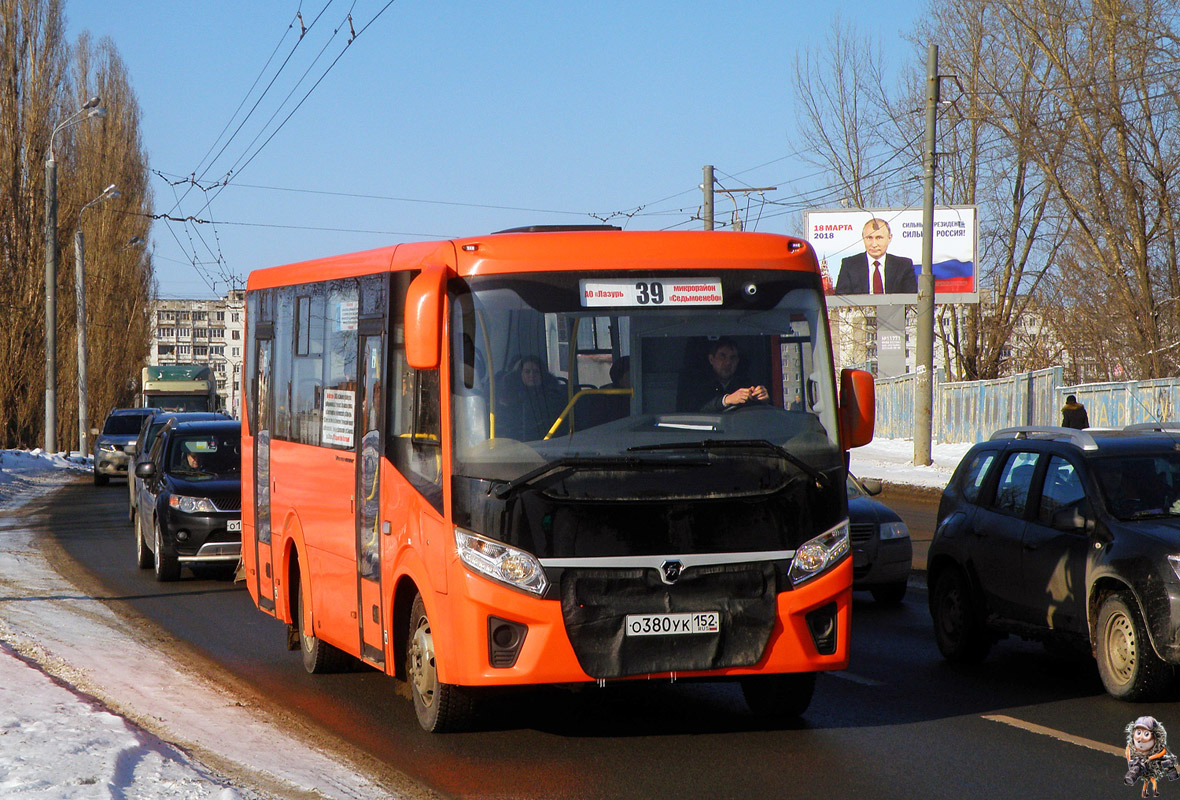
point(1065, 536)
point(189, 506)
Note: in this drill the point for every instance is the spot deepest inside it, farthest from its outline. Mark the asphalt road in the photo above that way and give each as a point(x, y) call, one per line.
point(899, 723)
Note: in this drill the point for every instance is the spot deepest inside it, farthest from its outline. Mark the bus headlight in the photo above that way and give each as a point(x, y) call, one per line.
point(500, 562)
point(816, 555)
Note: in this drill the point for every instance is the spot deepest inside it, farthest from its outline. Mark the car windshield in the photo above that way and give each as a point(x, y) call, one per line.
point(1141, 486)
point(179, 402)
point(206, 456)
point(123, 424)
point(551, 368)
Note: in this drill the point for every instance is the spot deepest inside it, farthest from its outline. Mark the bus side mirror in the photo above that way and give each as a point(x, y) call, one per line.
point(424, 309)
point(858, 399)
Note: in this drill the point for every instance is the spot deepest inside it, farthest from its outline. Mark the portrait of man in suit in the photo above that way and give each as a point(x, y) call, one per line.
point(875, 271)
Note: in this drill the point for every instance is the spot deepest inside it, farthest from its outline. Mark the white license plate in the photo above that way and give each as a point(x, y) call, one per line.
point(234, 526)
point(673, 624)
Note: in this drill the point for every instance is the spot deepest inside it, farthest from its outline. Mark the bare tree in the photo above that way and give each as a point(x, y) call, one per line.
point(1109, 147)
point(41, 84)
point(32, 92)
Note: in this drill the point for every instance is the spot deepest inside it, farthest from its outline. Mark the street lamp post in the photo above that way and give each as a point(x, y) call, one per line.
point(80, 308)
point(89, 110)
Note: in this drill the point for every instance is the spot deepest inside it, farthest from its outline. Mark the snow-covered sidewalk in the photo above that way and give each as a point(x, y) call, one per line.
point(87, 709)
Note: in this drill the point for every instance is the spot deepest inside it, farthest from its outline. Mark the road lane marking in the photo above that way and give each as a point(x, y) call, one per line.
point(854, 678)
point(1062, 736)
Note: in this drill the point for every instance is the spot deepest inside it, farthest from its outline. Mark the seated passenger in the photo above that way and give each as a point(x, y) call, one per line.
point(529, 402)
point(719, 385)
point(620, 374)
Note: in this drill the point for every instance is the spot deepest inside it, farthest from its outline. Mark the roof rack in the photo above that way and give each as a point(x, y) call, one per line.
point(1074, 436)
point(1159, 427)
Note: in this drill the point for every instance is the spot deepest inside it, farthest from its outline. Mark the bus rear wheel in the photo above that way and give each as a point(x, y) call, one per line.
point(319, 657)
point(441, 707)
point(786, 695)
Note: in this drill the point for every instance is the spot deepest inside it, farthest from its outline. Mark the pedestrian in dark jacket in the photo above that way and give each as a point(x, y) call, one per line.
point(1073, 414)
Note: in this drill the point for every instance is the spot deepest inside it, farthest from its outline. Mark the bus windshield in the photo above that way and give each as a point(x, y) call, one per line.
point(548, 372)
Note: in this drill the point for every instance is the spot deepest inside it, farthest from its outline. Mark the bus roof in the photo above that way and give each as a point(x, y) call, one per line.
point(518, 252)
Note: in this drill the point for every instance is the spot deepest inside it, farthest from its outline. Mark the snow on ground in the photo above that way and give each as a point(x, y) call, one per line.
point(79, 691)
point(891, 460)
point(77, 687)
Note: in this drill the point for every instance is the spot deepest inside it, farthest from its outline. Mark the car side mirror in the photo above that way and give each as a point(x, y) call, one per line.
point(94, 432)
point(1074, 517)
point(872, 486)
point(145, 470)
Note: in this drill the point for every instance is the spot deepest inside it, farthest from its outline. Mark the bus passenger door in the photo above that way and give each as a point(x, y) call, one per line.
point(368, 508)
point(264, 573)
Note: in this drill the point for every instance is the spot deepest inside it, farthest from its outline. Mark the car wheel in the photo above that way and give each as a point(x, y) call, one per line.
point(440, 707)
point(319, 657)
point(889, 594)
point(100, 479)
point(167, 567)
point(786, 695)
point(143, 556)
point(958, 627)
point(1127, 662)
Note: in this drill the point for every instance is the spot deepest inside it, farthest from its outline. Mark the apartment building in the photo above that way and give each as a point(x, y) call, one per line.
point(204, 332)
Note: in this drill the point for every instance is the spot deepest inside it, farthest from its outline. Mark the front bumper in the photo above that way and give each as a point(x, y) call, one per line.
point(548, 656)
point(111, 462)
point(880, 561)
point(201, 538)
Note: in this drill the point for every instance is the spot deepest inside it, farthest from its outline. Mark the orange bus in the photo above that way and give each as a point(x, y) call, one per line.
point(495, 461)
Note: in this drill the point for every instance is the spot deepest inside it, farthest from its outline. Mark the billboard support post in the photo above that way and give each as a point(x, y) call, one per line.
point(923, 386)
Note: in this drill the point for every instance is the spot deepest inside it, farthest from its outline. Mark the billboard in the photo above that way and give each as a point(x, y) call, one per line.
point(874, 256)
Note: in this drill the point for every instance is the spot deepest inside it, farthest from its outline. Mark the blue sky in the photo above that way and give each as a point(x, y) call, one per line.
point(455, 118)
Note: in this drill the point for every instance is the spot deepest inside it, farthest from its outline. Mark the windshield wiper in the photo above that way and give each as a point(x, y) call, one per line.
point(583, 462)
point(722, 444)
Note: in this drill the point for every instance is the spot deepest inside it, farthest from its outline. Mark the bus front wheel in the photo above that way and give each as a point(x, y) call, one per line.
point(441, 707)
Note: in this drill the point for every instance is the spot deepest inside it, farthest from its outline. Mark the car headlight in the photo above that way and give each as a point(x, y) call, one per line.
point(107, 448)
point(820, 553)
point(191, 505)
point(894, 530)
point(500, 562)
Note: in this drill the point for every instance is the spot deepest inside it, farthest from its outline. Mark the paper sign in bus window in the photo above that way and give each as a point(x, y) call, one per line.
point(339, 417)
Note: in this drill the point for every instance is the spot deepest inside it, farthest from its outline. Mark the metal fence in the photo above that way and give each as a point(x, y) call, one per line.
point(969, 411)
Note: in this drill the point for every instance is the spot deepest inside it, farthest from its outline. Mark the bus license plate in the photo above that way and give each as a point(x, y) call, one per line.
point(234, 526)
point(673, 624)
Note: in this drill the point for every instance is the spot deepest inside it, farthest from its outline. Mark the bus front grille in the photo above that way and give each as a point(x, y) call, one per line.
point(596, 602)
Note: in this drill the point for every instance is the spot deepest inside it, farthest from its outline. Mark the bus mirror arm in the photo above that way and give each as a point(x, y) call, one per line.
point(857, 407)
point(424, 310)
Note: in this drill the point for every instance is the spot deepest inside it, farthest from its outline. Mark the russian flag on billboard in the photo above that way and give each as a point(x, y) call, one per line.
point(953, 275)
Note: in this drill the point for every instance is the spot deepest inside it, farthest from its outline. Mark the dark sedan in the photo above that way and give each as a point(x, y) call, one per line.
point(189, 503)
point(882, 553)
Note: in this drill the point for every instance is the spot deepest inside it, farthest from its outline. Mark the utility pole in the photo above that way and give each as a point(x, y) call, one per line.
point(737, 220)
point(80, 320)
point(924, 380)
point(707, 186)
point(89, 110)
